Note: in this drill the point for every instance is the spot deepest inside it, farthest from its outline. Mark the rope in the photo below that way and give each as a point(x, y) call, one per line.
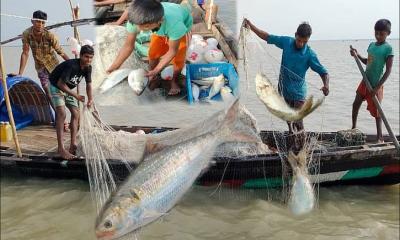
point(23, 17)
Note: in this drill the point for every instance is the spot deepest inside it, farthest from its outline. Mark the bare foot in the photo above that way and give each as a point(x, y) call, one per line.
point(380, 141)
point(72, 149)
point(175, 89)
point(66, 155)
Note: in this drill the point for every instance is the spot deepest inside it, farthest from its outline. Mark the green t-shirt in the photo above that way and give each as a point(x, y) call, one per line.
point(177, 21)
point(377, 56)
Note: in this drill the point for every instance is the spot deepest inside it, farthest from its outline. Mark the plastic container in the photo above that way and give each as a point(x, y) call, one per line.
point(5, 131)
point(199, 71)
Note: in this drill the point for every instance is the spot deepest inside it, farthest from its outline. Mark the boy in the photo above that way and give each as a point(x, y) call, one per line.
point(65, 77)
point(297, 57)
point(44, 45)
point(171, 24)
point(380, 54)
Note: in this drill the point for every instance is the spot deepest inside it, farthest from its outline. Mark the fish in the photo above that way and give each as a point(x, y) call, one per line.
point(195, 92)
point(163, 178)
point(218, 83)
point(138, 81)
point(302, 197)
point(226, 94)
point(208, 81)
point(277, 105)
point(114, 78)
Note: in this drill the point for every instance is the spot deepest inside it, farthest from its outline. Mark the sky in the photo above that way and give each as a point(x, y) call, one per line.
point(330, 19)
point(57, 11)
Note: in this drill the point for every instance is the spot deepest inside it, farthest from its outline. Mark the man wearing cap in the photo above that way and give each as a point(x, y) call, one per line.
point(44, 45)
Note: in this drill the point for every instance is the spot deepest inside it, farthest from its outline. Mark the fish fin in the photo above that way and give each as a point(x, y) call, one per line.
point(151, 215)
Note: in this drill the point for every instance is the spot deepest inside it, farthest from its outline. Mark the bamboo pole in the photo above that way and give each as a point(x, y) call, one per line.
point(209, 20)
point(376, 102)
point(75, 23)
point(75, 13)
point(8, 104)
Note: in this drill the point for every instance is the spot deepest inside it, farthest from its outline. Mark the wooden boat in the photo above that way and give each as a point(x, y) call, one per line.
point(369, 163)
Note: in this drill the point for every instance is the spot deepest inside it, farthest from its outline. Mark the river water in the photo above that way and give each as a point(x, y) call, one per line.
point(47, 209)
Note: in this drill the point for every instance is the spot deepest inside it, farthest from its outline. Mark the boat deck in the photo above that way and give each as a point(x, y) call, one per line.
point(36, 140)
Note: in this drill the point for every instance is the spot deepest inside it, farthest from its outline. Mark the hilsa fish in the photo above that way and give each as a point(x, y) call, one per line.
point(138, 81)
point(163, 178)
point(114, 78)
point(302, 197)
point(277, 105)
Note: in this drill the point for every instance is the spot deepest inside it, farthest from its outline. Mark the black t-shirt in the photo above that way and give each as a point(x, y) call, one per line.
point(70, 73)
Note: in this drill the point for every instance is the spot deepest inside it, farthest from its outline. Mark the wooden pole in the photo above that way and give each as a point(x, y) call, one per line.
point(209, 20)
point(75, 13)
point(8, 104)
point(376, 102)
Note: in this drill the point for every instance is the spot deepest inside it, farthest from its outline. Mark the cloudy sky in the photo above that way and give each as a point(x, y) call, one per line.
point(330, 19)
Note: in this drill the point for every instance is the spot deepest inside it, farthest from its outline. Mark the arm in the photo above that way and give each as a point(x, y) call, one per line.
point(106, 2)
point(353, 52)
point(124, 53)
point(121, 19)
point(24, 58)
point(63, 87)
point(89, 94)
point(166, 59)
point(325, 80)
point(260, 33)
point(389, 64)
point(57, 47)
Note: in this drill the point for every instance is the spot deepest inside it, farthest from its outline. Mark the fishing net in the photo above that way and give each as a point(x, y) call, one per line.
point(258, 57)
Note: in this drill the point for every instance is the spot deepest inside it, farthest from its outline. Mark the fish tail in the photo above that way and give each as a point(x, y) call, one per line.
point(299, 161)
point(309, 106)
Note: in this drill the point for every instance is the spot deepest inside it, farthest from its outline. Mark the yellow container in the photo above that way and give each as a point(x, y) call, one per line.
point(5, 131)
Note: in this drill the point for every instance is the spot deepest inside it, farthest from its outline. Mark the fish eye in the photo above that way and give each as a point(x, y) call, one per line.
point(108, 224)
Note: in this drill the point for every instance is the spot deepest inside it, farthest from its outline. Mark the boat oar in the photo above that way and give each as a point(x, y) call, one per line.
point(376, 102)
point(8, 104)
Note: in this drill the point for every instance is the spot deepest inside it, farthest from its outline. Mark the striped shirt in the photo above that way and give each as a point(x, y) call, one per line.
point(43, 50)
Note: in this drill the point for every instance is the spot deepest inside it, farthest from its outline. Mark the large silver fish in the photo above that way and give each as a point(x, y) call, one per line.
point(302, 197)
point(162, 179)
point(138, 81)
point(276, 104)
point(114, 78)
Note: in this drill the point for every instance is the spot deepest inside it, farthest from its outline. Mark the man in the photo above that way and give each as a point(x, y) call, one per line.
point(297, 57)
point(65, 77)
point(171, 24)
point(44, 45)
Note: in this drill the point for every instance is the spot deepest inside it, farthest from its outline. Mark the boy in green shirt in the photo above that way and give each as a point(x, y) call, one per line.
point(380, 54)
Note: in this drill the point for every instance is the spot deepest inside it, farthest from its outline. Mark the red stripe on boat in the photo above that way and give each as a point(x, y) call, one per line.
point(390, 169)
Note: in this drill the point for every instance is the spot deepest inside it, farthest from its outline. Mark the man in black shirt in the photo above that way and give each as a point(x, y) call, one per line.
point(65, 77)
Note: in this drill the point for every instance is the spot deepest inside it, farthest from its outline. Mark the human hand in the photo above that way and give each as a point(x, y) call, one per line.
point(80, 98)
point(111, 69)
point(246, 23)
point(152, 73)
point(353, 51)
point(325, 90)
point(89, 103)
